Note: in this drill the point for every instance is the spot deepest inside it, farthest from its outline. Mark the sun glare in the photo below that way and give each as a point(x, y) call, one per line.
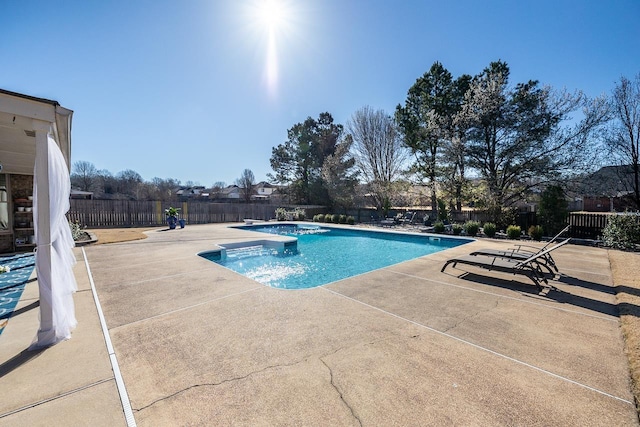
point(271, 13)
point(271, 22)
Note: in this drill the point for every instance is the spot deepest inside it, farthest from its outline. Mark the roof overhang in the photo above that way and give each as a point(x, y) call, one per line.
point(20, 115)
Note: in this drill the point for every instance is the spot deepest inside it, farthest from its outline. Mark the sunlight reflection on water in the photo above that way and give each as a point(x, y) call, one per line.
point(324, 255)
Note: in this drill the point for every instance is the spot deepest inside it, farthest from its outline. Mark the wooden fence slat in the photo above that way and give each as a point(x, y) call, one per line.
point(587, 225)
point(130, 213)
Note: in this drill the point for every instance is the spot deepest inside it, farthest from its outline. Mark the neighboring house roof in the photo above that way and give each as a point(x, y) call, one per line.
point(191, 191)
point(232, 189)
point(608, 181)
point(81, 193)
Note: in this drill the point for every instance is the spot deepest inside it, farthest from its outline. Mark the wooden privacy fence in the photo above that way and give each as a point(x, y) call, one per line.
point(588, 225)
point(129, 213)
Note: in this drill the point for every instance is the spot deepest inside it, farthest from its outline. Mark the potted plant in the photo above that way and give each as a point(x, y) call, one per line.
point(172, 216)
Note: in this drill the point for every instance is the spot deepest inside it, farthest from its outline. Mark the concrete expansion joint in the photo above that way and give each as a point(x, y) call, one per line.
point(228, 380)
point(58, 396)
point(344, 401)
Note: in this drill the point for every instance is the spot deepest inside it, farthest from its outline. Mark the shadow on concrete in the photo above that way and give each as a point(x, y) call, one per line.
point(26, 308)
point(553, 294)
point(627, 290)
point(627, 309)
point(528, 287)
point(18, 360)
point(573, 281)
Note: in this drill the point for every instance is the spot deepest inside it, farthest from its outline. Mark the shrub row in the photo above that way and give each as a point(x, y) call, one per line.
point(334, 218)
point(297, 214)
point(470, 228)
point(622, 231)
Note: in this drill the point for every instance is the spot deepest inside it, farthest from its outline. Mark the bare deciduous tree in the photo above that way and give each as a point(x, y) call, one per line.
point(378, 149)
point(246, 182)
point(129, 183)
point(623, 138)
point(216, 189)
point(84, 175)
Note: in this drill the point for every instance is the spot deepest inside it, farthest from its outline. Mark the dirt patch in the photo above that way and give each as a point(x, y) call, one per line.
point(116, 235)
point(624, 267)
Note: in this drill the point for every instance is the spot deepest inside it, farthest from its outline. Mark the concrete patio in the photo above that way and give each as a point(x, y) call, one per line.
point(198, 344)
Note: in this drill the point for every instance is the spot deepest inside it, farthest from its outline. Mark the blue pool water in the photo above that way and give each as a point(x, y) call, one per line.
point(324, 255)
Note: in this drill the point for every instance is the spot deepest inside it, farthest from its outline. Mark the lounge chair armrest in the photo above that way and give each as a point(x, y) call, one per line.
point(519, 248)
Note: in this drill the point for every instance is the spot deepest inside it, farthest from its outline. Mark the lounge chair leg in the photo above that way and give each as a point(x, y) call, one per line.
point(537, 283)
point(444, 266)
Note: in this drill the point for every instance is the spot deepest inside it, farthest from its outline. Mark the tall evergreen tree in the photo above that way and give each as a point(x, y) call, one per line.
point(340, 176)
point(425, 120)
point(298, 162)
point(515, 139)
point(553, 210)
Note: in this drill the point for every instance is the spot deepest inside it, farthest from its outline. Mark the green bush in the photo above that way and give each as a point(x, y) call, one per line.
point(351, 220)
point(438, 227)
point(443, 213)
point(327, 217)
point(471, 228)
point(489, 229)
point(335, 218)
point(513, 232)
point(281, 214)
point(622, 231)
point(76, 230)
point(300, 214)
point(457, 229)
point(342, 219)
point(535, 232)
point(318, 218)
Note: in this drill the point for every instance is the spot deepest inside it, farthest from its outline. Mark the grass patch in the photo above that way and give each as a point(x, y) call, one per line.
point(117, 235)
point(627, 282)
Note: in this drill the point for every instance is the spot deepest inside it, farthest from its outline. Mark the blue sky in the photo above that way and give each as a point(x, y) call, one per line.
point(180, 89)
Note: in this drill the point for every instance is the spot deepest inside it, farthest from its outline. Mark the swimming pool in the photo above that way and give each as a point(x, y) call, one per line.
point(323, 255)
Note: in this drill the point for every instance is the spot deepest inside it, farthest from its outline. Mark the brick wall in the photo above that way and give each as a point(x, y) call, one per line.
point(21, 186)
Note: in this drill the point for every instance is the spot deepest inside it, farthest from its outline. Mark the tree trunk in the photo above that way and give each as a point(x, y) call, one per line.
point(434, 201)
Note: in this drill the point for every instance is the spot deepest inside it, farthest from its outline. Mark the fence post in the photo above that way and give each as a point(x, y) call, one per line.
point(158, 216)
point(185, 211)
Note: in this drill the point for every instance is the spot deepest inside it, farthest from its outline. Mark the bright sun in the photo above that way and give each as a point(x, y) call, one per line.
point(272, 23)
point(271, 13)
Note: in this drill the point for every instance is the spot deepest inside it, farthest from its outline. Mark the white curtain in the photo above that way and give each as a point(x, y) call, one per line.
point(55, 276)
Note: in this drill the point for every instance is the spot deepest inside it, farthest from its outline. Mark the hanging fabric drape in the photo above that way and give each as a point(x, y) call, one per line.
point(54, 258)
